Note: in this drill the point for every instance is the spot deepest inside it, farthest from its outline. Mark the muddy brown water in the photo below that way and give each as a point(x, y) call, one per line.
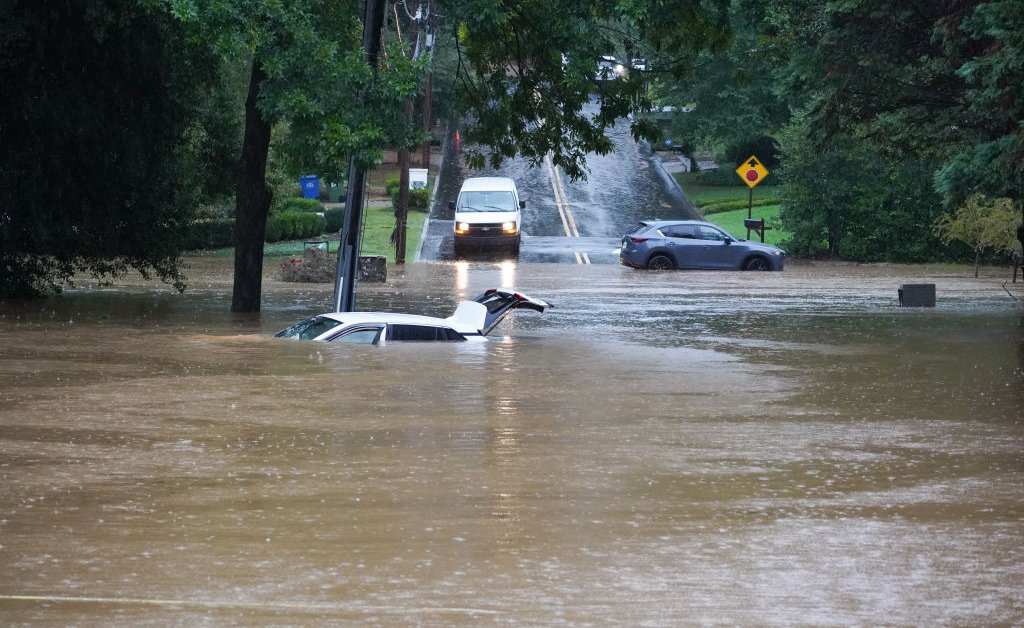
point(660, 449)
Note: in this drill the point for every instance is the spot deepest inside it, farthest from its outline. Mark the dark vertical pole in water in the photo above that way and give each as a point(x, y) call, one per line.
point(348, 253)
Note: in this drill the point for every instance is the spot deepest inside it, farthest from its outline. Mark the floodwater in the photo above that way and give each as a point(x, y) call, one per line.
point(660, 449)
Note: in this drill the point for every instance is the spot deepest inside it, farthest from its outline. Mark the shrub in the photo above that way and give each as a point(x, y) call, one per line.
point(391, 186)
point(298, 204)
point(419, 200)
point(723, 176)
point(293, 225)
point(726, 206)
point(274, 226)
point(764, 146)
point(209, 234)
point(334, 218)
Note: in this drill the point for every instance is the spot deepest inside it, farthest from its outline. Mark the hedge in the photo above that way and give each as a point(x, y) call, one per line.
point(209, 234)
point(727, 206)
point(419, 199)
point(334, 218)
point(297, 204)
point(216, 234)
point(293, 226)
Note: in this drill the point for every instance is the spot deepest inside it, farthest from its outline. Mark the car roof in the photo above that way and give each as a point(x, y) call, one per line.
point(488, 184)
point(659, 223)
point(394, 318)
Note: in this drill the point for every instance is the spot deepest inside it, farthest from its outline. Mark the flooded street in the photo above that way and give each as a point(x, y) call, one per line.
point(659, 449)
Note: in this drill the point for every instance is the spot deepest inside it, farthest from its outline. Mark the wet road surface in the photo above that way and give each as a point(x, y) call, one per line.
point(566, 221)
point(660, 449)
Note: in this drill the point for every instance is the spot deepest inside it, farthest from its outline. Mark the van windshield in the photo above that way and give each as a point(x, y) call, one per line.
point(486, 202)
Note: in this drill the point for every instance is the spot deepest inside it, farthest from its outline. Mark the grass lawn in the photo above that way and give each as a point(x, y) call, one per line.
point(732, 222)
point(701, 195)
point(377, 225)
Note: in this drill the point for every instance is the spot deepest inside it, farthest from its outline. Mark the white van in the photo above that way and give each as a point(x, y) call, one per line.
point(487, 213)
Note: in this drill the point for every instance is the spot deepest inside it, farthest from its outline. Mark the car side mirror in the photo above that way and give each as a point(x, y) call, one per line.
point(451, 205)
point(729, 240)
point(522, 204)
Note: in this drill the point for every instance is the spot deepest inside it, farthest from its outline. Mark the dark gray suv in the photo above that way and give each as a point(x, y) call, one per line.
point(668, 244)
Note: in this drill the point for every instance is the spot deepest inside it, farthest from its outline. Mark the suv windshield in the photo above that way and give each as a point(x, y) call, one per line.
point(486, 202)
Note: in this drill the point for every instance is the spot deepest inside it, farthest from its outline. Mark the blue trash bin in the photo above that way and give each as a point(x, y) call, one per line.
point(310, 186)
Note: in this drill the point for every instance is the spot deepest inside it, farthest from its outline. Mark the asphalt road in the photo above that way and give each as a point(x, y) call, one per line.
point(565, 221)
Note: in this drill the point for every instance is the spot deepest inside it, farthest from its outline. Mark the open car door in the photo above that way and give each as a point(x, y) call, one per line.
point(488, 309)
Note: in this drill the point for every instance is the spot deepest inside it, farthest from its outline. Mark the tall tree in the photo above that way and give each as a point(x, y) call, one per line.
point(527, 69)
point(107, 127)
point(307, 72)
point(940, 80)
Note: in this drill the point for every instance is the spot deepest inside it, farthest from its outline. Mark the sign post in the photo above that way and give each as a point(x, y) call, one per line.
point(752, 172)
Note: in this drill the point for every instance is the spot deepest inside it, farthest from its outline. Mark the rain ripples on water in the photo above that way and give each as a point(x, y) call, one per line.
point(659, 449)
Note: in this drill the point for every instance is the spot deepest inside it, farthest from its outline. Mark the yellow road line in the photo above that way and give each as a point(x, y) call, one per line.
point(558, 198)
point(562, 204)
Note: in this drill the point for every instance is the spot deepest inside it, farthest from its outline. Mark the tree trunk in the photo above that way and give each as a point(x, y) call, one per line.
point(252, 202)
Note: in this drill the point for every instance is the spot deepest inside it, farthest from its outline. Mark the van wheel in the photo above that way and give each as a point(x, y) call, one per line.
point(660, 262)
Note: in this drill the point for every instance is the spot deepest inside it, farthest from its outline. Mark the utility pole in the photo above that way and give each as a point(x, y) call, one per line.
point(419, 33)
point(428, 93)
point(348, 253)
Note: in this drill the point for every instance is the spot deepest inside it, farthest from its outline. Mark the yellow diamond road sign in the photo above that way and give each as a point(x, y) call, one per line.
point(751, 171)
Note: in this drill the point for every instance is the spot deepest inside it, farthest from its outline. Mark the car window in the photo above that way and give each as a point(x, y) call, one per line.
point(709, 233)
point(637, 229)
point(309, 328)
point(359, 335)
point(421, 333)
point(679, 231)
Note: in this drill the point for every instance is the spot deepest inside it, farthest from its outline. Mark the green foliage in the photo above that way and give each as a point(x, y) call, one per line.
point(942, 84)
point(720, 177)
point(292, 225)
point(334, 218)
point(982, 223)
point(419, 199)
point(110, 123)
point(763, 146)
point(527, 70)
point(299, 204)
point(726, 206)
point(851, 202)
point(209, 234)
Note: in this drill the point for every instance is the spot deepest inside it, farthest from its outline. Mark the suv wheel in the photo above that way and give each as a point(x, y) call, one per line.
point(756, 263)
point(660, 262)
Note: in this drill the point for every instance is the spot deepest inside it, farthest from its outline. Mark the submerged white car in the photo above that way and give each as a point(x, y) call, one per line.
point(472, 321)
